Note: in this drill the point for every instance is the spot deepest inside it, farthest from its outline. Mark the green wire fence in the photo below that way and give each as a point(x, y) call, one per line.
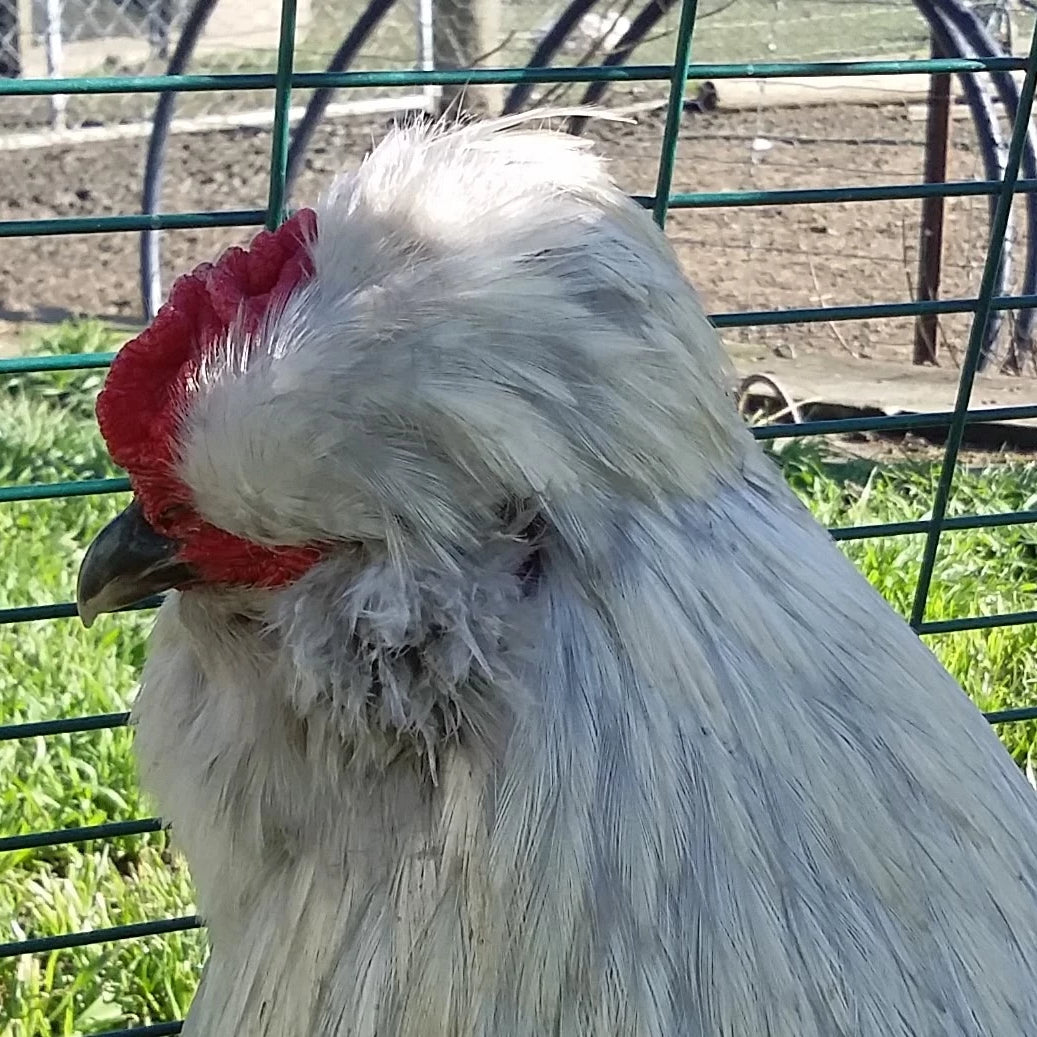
point(285, 80)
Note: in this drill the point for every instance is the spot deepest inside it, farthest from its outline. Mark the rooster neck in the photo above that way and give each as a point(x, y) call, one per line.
point(701, 811)
point(304, 845)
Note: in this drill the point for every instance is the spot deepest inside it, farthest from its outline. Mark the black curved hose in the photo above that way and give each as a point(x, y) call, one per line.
point(993, 148)
point(150, 272)
point(318, 103)
point(552, 42)
point(958, 27)
point(646, 20)
point(970, 27)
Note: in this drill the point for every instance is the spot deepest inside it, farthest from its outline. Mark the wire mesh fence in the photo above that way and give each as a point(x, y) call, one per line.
point(769, 144)
point(106, 37)
point(756, 202)
point(785, 131)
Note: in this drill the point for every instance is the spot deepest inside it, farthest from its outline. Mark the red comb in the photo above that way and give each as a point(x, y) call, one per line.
point(137, 409)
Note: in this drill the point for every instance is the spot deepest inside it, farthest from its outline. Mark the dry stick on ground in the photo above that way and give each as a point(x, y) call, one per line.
point(819, 301)
point(457, 105)
point(946, 343)
point(904, 258)
point(505, 43)
point(944, 340)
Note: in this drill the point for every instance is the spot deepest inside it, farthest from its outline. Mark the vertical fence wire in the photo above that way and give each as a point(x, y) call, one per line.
point(674, 111)
point(282, 105)
point(970, 364)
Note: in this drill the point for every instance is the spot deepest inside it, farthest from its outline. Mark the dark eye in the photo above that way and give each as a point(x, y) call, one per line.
point(172, 514)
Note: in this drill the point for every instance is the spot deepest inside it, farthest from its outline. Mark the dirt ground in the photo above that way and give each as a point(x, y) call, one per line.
point(740, 258)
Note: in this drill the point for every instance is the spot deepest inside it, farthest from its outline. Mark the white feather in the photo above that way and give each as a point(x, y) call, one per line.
point(702, 781)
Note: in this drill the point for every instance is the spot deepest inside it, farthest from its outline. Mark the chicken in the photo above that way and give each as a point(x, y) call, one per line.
point(503, 689)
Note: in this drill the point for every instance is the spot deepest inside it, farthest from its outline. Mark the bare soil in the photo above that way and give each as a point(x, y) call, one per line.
point(740, 258)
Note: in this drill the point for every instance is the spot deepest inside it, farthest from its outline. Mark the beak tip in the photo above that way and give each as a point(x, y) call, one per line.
point(86, 613)
point(126, 563)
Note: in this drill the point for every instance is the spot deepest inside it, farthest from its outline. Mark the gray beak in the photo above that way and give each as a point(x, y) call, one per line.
point(127, 562)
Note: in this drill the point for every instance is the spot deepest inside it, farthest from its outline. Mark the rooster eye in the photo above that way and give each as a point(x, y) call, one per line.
point(169, 515)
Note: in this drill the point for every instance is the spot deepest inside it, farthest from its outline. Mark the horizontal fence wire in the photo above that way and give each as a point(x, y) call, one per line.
point(953, 626)
point(66, 941)
point(154, 1030)
point(63, 726)
point(734, 319)
point(500, 76)
point(909, 528)
point(123, 224)
point(283, 82)
point(891, 423)
point(49, 491)
point(83, 834)
point(685, 200)
point(60, 610)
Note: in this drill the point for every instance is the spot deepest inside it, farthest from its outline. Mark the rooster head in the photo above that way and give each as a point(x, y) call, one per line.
point(474, 318)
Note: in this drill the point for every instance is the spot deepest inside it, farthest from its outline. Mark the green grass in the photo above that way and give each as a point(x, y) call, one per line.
point(57, 669)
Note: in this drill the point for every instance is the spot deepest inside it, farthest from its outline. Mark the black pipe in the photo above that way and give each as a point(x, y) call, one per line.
point(318, 103)
point(150, 272)
point(151, 288)
point(647, 18)
point(552, 42)
point(964, 20)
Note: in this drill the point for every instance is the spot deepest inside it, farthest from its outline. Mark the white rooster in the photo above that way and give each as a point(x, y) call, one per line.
point(507, 691)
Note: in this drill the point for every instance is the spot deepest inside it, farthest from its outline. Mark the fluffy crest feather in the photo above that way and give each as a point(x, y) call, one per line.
point(489, 318)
